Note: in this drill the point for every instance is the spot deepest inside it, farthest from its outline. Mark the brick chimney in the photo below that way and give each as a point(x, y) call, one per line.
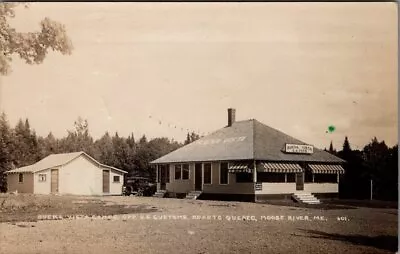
point(231, 116)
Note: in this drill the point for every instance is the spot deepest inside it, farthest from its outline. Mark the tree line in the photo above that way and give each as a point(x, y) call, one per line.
point(376, 162)
point(21, 146)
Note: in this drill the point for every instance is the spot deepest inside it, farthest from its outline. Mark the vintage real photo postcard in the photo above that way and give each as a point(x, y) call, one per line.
point(226, 127)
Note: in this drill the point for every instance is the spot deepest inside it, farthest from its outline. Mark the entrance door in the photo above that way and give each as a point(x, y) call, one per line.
point(163, 176)
point(299, 181)
point(54, 181)
point(106, 181)
point(198, 177)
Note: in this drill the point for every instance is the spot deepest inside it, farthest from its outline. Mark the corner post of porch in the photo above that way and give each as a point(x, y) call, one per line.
point(254, 171)
point(337, 177)
point(157, 173)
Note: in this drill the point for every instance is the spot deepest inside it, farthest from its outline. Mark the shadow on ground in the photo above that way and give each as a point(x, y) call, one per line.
point(19, 209)
point(383, 242)
point(364, 203)
point(322, 206)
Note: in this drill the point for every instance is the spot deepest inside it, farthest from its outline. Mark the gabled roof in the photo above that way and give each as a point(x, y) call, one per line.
point(57, 160)
point(244, 140)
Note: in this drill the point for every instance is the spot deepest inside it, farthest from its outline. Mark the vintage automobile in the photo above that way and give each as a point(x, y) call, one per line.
point(138, 186)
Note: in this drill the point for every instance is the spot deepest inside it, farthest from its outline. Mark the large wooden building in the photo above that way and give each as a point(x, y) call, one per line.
point(247, 160)
point(68, 173)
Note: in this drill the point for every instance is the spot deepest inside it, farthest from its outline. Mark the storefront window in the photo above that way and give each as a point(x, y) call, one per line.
point(325, 178)
point(291, 177)
point(178, 169)
point(207, 173)
point(244, 178)
point(270, 177)
point(185, 171)
point(308, 176)
point(223, 173)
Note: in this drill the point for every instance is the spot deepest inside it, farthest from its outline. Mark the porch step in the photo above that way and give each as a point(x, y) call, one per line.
point(160, 194)
point(193, 194)
point(306, 198)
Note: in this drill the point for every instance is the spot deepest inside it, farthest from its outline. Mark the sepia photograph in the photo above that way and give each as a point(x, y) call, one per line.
point(201, 127)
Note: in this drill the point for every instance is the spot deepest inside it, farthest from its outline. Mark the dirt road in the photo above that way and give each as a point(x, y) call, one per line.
point(185, 226)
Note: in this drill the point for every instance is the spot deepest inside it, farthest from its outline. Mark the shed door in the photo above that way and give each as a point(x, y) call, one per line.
point(106, 181)
point(54, 181)
point(299, 181)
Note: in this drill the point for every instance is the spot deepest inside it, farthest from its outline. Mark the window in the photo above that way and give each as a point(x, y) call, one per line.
point(308, 176)
point(116, 179)
point(166, 173)
point(185, 171)
point(325, 178)
point(21, 178)
point(243, 177)
point(270, 177)
point(207, 173)
point(223, 173)
point(42, 177)
point(178, 169)
point(291, 177)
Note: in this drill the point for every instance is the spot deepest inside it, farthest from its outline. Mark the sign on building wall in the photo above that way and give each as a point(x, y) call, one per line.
point(258, 186)
point(293, 148)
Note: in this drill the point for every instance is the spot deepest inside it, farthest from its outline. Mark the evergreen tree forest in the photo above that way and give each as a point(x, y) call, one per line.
point(21, 146)
point(376, 162)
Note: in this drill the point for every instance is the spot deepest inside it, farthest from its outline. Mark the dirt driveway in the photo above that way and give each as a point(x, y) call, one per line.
point(152, 225)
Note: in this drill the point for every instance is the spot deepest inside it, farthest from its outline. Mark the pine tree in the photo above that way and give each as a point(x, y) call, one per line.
point(78, 139)
point(21, 148)
point(331, 148)
point(187, 140)
point(131, 141)
point(121, 152)
point(191, 137)
point(346, 145)
point(5, 151)
point(194, 136)
point(143, 140)
point(104, 150)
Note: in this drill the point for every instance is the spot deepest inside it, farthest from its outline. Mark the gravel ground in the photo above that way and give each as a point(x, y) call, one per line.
point(361, 230)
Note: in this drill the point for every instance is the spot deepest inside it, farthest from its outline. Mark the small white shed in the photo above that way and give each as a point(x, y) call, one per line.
point(69, 173)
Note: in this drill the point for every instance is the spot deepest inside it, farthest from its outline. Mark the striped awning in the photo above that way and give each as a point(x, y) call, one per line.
point(280, 167)
point(326, 169)
point(239, 168)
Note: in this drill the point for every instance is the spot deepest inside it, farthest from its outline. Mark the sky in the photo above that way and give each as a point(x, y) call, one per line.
point(161, 69)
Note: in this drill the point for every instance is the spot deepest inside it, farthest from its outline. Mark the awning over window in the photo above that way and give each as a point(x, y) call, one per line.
point(280, 167)
point(326, 169)
point(239, 168)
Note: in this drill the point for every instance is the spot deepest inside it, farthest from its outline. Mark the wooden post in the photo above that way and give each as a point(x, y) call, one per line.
point(285, 177)
point(312, 177)
point(371, 189)
point(254, 172)
point(157, 181)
